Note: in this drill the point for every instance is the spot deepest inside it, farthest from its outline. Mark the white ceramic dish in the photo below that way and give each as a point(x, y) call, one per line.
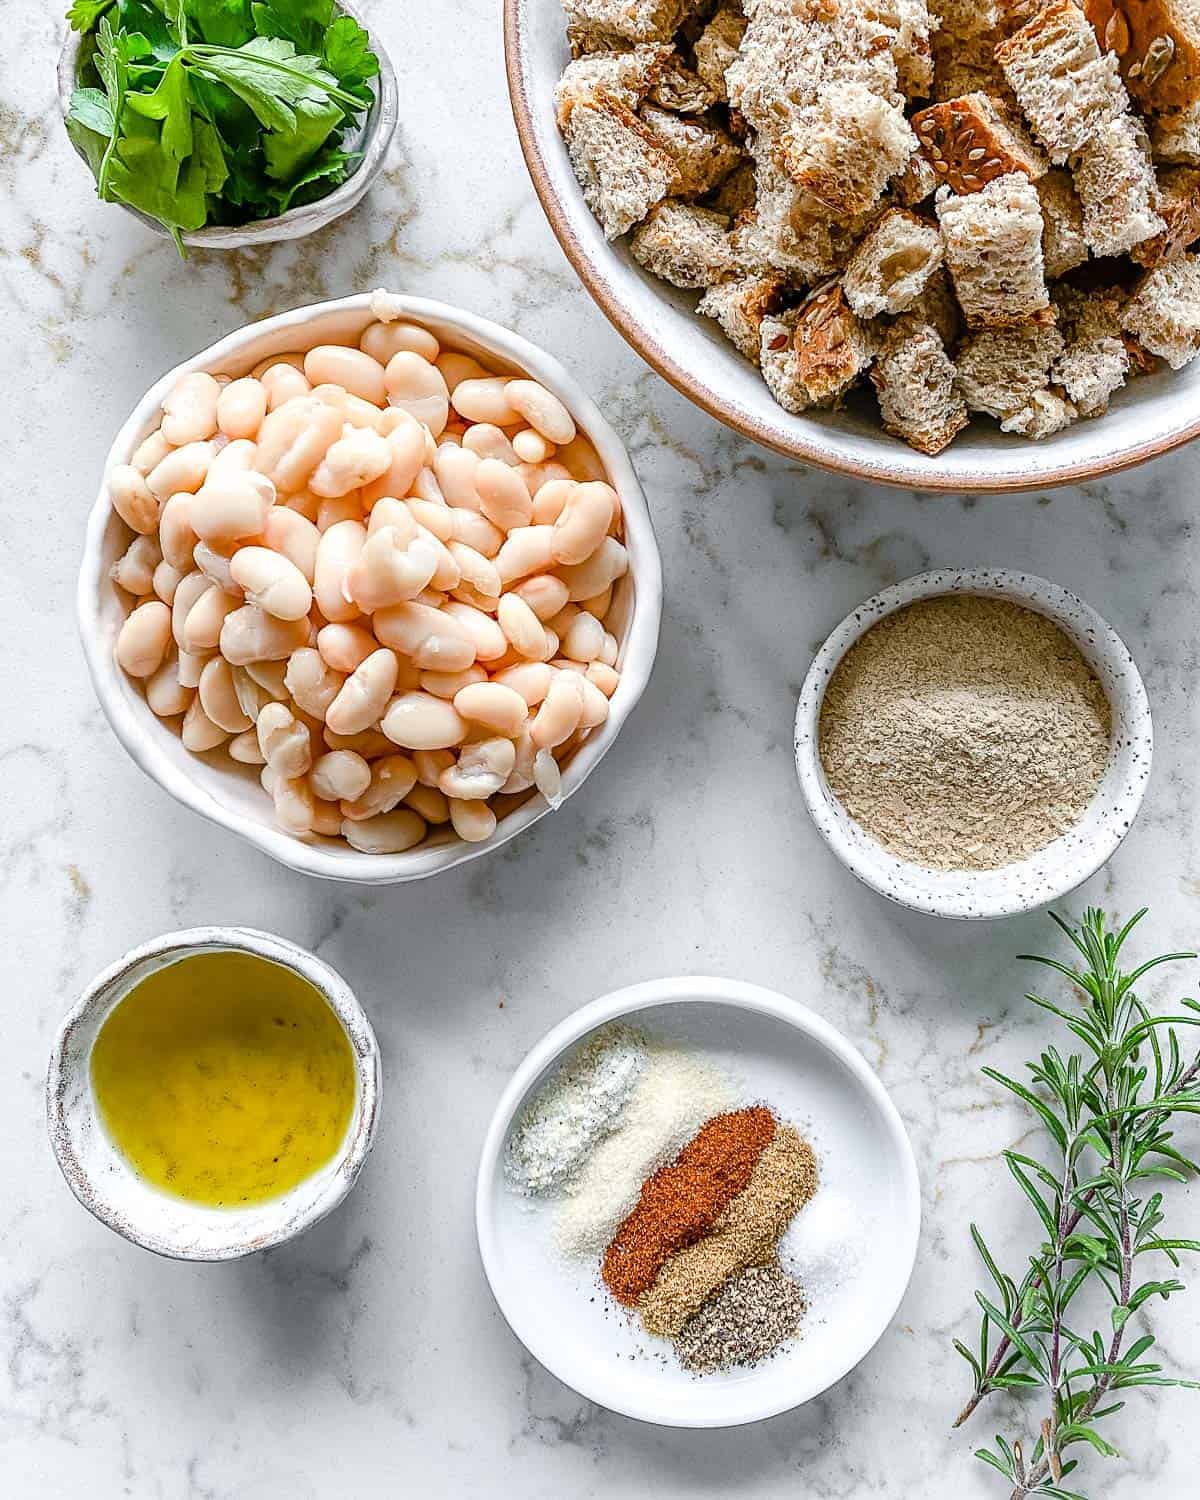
point(853, 1245)
point(373, 138)
point(232, 796)
point(1062, 865)
point(105, 1184)
point(1152, 415)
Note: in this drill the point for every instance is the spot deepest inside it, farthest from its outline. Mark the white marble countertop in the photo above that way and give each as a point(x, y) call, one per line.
point(368, 1359)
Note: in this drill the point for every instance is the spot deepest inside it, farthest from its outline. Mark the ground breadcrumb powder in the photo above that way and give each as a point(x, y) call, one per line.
point(964, 733)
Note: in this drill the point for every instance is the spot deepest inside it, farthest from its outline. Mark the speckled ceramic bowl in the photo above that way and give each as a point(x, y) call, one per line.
point(1149, 417)
point(1059, 867)
point(105, 1183)
point(231, 795)
point(372, 139)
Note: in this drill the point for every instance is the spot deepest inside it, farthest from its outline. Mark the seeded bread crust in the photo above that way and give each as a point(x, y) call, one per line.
point(1164, 312)
point(1179, 208)
point(1157, 43)
point(684, 244)
point(1063, 244)
point(993, 251)
point(740, 306)
point(619, 164)
point(974, 139)
point(703, 154)
point(914, 382)
point(1115, 181)
point(814, 354)
point(893, 262)
point(1066, 86)
point(782, 234)
point(626, 76)
point(1000, 369)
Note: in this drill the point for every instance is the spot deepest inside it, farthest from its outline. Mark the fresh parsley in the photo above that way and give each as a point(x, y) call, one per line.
point(204, 112)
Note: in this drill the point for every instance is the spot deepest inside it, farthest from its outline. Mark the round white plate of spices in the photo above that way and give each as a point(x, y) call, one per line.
point(712, 1161)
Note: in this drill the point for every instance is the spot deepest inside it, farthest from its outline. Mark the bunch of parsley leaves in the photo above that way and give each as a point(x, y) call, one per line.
point(218, 111)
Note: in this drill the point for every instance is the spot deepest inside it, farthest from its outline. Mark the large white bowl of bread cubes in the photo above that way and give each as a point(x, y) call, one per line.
point(313, 702)
point(942, 246)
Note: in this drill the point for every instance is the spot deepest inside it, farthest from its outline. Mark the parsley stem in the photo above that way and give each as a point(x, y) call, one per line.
point(197, 52)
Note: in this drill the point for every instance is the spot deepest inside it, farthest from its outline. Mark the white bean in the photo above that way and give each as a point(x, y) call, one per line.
point(455, 469)
point(475, 530)
point(431, 637)
point(244, 748)
point(522, 627)
point(132, 498)
point(558, 717)
point(312, 684)
point(294, 439)
point(206, 620)
point(474, 822)
point(485, 634)
point(166, 580)
point(431, 804)
point(419, 721)
point(582, 460)
point(406, 449)
point(389, 511)
point(339, 550)
point(529, 678)
point(364, 695)
point(269, 675)
point(327, 818)
point(551, 499)
point(190, 668)
point(528, 549)
point(503, 498)
point(357, 372)
point(609, 562)
point(485, 440)
point(346, 507)
point(150, 452)
point(284, 740)
point(183, 469)
point(583, 524)
point(250, 636)
point(476, 570)
point(345, 647)
point(393, 778)
point(419, 388)
point(449, 684)
point(595, 704)
point(484, 400)
point(358, 457)
point(218, 696)
point(198, 732)
point(531, 447)
point(134, 570)
point(294, 537)
point(494, 705)
point(236, 457)
point(383, 341)
point(241, 407)
point(190, 410)
point(584, 638)
point(272, 582)
point(293, 798)
point(389, 833)
point(480, 771)
point(457, 367)
point(392, 568)
point(216, 568)
point(231, 508)
point(544, 412)
point(370, 744)
point(544, 593)
point(165, 694)
point(354, 410)
point(547, 777)
point(603, 676)
point(143, 638)
point(175, 534)
point(340, 774)
point(282, 383)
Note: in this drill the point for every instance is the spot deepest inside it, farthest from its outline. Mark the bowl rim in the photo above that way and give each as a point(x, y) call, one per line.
point(901, 472)
point(639, 646)
point(871, 863)
point(379, 128)
point(738, 995)
point(341, 1000)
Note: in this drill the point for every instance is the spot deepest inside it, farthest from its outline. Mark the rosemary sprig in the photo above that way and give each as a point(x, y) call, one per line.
point(1108, 1111)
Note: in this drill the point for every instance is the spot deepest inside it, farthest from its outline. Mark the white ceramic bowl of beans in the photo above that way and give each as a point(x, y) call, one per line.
point(1051, 872)
point(231, 795)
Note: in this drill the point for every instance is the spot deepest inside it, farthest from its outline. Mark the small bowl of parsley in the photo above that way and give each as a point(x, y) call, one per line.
point(227, 123)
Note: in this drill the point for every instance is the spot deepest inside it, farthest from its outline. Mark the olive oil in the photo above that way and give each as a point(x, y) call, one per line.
point(224, 1079)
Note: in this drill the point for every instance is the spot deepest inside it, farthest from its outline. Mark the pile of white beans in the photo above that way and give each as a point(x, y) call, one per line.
point(381, 574)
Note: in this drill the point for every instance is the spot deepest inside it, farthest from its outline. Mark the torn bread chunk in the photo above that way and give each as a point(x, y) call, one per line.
point(1158, 45)
point(1066, 86)
point(739, 307)
point(891, 264)
point(737, 193)
point(1175, 137)
point(993, 249)
point(1164, 312)
point(1044, 414)
point(684, 244)
point(621, 167)
point(677, 87)
point(917, 182)
point(717, 47)
point(1063, 244)
point(632, 20)
point(936, 305)
point(967, 66)
point(626, 76)
point(703, 154)
point(1000, 368)
point(813, 354)
point(1115, 181)
point(1090, 371)
point(914, 381)
point(845, 156)
point(912, 28)
point(972, 140)
point(1179, 209)
point(781, 232)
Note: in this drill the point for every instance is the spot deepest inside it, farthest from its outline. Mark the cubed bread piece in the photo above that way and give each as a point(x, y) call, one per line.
point(1066, 86)
point(1158, 45)
point(1179, 209)
point(626, 75)
point(740, 306)
point(813, 354)
point(1115, 182)
point(1164, 312)
point(993, 251)
point(738, 192)
point(1090, 371)
point(1175, 137)
point(911, 26)
point(1063, 244)
point(1000, 369)
point(717, 46)
point(1044, 414)
point(914, 381)
point(620, 165)
point(937, 306)
point(781, 233)
point(845, 156)
point(967, 65)
point(917, 182)
point(684, 244)
point(891, 264)
point(972, 140)
point(677, 87)
point(634, 20)
point(703, 155)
